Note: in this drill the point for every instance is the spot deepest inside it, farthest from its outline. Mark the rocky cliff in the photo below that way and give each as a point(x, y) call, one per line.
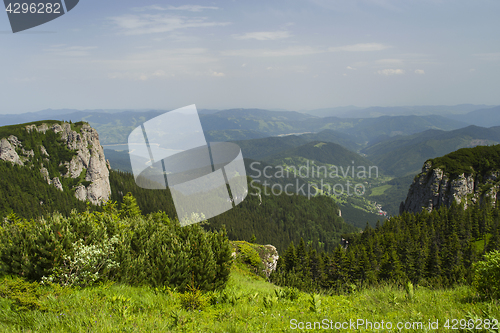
point(69, 157)
point(465, 177)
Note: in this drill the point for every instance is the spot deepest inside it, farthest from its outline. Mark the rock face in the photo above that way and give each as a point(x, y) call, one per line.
point(90, 157)
point(270, 259)
point(8, 153)
point(88, 163)
point(433, 188)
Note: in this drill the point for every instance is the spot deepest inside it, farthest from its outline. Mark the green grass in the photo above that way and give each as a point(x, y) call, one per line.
point(380, 189)
point(120, 308)
point(479, 244)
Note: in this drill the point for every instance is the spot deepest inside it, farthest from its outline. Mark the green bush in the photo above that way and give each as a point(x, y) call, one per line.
point(119, 245)
point(487, 275)
point(35, 248)
point(86, 266)
point(250, 255)
point(24, 295)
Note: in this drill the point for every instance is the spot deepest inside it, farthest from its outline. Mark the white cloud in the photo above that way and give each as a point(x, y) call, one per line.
point(472, 70)
point(391, 72)
point(291, 51)
point(158, 23)
point(189, 8)
point(352, 68)
point(367, 47)
point(214, 73)
point(264, 35)
point(419, 71)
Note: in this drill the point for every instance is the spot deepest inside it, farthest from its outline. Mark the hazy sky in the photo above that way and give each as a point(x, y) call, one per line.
point(290, 54)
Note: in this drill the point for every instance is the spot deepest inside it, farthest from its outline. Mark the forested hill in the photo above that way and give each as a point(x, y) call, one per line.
point(272, 219)
point(43, 166)
point(322, 152)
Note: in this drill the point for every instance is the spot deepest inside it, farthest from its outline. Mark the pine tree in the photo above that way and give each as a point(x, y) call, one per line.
point(202, 263)
point(452, 260)
point(433, 271)
point(335, 269)
point(129, 207)
point(363, 271)
point(302, 256)
point(390, 267)
point(223, 258)
point(291, 259)
point(494, 241)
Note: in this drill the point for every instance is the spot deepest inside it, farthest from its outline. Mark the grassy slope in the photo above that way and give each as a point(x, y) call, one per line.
point(120, 308)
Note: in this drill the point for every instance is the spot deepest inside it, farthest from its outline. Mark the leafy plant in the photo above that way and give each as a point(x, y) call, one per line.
point(487, 275)
point(409, 290)
point(86, 265)
point(314, 303)
point(269, 301)
point(287, 293)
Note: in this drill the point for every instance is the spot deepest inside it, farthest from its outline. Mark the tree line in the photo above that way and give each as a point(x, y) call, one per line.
point(436, 249)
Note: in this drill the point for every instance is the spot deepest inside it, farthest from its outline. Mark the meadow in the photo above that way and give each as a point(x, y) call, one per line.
point(248, 304)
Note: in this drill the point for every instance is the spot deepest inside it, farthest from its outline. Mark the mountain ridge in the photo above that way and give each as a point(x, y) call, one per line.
point(68, 156)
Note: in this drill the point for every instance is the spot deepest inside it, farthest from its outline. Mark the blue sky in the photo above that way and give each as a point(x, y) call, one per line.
point(281, 54)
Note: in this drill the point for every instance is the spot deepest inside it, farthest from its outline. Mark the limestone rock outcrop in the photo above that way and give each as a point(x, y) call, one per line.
point(433, 187)
point(89, 157)
point(270, 259)
point(8, 153)
point(88, 163)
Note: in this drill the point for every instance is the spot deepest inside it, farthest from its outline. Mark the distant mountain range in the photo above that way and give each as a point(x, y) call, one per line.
point(377, 111)
point(396, 144)
point(486, 117)
point(270, 146)
point(114, 127)
point(403, 155)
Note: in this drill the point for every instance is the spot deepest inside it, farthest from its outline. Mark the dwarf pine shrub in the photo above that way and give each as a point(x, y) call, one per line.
point(24, 295)
point(193, 299)
point(88, 247)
